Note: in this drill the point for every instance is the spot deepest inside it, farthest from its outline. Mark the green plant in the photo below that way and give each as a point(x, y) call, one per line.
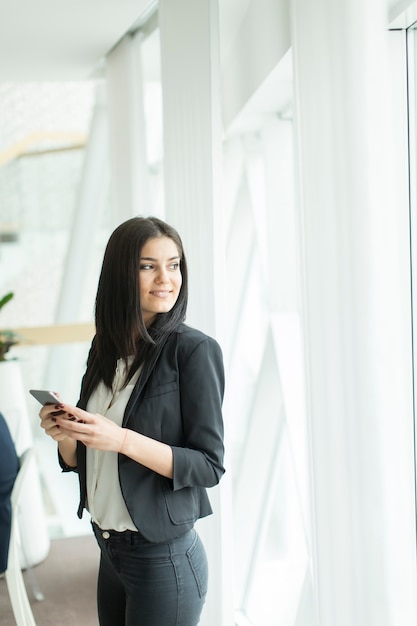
point(7, 337)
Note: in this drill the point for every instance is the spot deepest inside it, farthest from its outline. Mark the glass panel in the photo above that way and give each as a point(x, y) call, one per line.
point(273, 559)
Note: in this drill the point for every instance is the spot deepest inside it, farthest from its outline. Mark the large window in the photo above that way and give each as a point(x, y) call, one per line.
point(266, 375)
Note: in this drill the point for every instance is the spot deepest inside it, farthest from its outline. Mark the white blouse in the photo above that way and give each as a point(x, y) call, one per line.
point(105, 501)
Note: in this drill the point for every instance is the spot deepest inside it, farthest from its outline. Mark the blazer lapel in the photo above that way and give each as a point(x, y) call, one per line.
point(140, 385)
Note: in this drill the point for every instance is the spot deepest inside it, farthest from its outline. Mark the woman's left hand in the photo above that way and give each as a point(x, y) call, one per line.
point(93, 430)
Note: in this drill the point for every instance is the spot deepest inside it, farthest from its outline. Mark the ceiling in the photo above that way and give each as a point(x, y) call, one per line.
point(56, 40)
point(48, 40)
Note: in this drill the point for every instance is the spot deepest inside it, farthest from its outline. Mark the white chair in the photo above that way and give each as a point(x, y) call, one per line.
point(14, 577)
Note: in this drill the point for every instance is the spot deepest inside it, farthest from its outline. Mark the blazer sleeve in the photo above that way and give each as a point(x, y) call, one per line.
point(200, 461)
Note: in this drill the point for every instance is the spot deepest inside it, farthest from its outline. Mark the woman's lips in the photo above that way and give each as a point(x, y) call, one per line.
point(160, 294)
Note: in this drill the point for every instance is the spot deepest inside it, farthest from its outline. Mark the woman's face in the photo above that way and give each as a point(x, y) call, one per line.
point(159, 277)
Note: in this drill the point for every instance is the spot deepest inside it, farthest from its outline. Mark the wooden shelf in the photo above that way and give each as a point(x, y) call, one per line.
point(56, 334)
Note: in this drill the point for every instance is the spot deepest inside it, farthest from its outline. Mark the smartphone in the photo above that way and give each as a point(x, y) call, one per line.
point(48, 397)
point(45, 397)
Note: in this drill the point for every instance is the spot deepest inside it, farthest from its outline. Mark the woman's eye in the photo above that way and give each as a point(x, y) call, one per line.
point(145, 266)
point(174, 266)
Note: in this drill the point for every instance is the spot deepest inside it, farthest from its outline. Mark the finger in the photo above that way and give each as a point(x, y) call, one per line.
point(54, 431)
point(73, 428)
point(47, 421)
point(79, 414)
point(50, 409)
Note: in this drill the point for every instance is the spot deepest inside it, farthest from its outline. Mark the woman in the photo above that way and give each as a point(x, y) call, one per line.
point(146, 437)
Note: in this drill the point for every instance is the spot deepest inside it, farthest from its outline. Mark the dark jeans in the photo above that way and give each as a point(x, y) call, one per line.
point(150, 584)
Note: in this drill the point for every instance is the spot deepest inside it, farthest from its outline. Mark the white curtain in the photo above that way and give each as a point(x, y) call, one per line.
point(356, 317)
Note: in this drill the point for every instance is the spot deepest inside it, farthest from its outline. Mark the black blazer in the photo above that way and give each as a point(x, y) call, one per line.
point(177, 401)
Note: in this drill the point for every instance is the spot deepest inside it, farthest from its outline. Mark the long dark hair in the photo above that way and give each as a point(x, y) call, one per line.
point(120, 328)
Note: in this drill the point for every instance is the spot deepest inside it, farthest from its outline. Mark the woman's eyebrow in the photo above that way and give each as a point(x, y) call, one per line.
point(149, 258)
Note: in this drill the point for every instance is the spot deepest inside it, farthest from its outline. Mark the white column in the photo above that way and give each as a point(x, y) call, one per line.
point(356, 318)
point(127, 138)
point(192, 168)
point(192, 144)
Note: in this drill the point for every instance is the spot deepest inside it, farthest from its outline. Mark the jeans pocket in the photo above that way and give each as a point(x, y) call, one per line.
point(197, 559)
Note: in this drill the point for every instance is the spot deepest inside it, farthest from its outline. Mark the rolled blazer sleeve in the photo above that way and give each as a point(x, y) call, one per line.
point(200, 461)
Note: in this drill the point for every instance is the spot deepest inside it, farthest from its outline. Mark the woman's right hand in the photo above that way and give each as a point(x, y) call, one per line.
point(48, 421)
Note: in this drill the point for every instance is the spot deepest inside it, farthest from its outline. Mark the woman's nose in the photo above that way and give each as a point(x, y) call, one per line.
point(162, 276)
